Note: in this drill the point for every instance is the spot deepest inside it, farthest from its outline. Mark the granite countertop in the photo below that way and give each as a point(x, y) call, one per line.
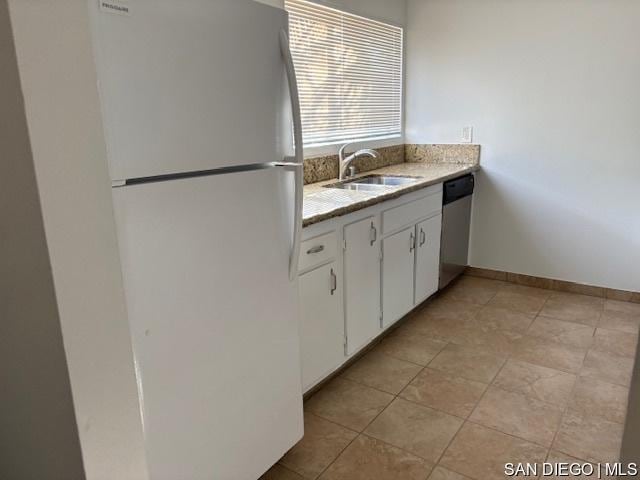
point(322, 203)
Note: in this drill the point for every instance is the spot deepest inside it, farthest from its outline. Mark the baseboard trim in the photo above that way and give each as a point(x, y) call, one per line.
point(550, 284)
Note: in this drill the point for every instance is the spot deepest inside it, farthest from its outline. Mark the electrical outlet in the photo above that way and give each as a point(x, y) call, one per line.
point(467, 134)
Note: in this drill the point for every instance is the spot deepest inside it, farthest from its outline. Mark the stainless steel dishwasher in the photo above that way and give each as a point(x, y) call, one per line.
point(456, 221)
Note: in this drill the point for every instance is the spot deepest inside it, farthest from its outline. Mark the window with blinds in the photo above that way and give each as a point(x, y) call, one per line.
point(349, 71)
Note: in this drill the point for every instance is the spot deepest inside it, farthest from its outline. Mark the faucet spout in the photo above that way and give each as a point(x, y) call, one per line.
point(346, 162)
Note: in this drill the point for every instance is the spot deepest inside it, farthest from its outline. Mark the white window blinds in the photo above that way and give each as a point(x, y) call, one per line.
point(349, 71)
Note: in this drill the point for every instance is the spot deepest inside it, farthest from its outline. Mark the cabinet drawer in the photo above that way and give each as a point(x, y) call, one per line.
point(317, 251)
point(409, 213)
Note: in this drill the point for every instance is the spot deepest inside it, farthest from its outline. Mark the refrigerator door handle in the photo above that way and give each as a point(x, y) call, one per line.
point(297, 168)
point(298, 155)
point(293, 92)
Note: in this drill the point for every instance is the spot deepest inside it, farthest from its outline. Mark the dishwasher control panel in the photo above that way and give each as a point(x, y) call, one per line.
point(458, 188)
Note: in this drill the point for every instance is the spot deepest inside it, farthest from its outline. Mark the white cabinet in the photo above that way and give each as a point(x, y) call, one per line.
point(408, 213)
point(361, 282)
point(411, 255)
point(397, 275)
point(321, 325)
point(362, 272)
point(427, 257)
point(317, 250)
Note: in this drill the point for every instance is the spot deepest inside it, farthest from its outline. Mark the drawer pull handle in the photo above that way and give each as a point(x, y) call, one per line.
point(374, 234)
point(412, 242)
point(316, 249)
point(423, 237)
point(334, 282)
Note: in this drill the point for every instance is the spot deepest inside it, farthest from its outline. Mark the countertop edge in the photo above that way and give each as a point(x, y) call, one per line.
point(360, 205)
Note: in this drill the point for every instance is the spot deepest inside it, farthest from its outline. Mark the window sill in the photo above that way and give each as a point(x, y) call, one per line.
point(319, 150)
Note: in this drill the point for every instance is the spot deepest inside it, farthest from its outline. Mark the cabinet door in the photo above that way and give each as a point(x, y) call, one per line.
point(321, 327)
point(427, 258)
point(362, 282)
point(397, 275)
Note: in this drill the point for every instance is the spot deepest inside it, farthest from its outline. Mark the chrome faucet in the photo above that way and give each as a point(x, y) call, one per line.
point(346, 162)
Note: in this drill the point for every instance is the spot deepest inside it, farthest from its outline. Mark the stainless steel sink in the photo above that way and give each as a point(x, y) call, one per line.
point(362, 187)
point(374, 182)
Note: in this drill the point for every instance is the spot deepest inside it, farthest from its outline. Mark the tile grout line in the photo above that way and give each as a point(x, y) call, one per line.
point(358, 433)
point(491, 384)
point(288, 470)
point(493, 429)
point(426, 336)
point(368, 424)
point(508, 357)
point(564, 413)
point(433, 408)
point(362, 434)
point(409, 361)
point(437, 463)
point(466, 420)
point(397, 396)
point(577, 375)
point(578, 378)
point(566, 408)
point(453, 437)
point(358, 382)
point(511, 357)
point(485, 392)
point(337, 456)
point(334, 423)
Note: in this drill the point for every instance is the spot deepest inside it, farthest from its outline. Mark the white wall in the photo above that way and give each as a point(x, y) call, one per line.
point(38, 434)
point(392, 11)
point(552, 90)
point(59, 85)
point(273, 3)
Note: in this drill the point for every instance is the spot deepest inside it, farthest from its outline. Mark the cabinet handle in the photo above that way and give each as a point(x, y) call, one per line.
point(412, 242)
point(374, 234)
point(334, 282)
point(316, 249)
point(423, 237)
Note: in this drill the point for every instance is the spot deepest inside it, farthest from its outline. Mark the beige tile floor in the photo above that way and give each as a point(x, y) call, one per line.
point(485, 373)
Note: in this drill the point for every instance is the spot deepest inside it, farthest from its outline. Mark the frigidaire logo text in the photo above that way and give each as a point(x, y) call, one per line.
point(113, 6)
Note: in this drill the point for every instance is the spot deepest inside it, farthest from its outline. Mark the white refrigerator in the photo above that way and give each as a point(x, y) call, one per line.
point(198, 100)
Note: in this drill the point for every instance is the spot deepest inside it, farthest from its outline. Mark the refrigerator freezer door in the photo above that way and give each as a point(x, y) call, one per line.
point(214, 323)
point(191, 85)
